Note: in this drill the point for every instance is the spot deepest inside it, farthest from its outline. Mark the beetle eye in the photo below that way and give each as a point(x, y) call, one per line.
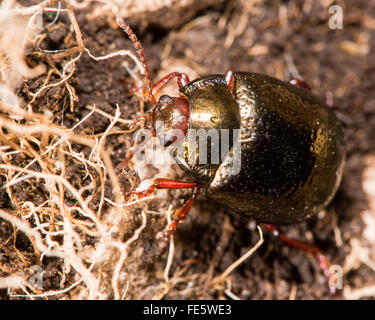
point(165, 99)
point(167, 140)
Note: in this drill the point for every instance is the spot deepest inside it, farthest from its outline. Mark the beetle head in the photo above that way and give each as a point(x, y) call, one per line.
point(169, 119)
point(172, 113)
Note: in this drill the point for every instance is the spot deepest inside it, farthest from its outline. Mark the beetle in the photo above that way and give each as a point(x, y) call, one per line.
point(291, 146)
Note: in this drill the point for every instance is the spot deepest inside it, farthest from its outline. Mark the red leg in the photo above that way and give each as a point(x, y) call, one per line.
point(300, 83)
point(324, 264)
point(229, 78)
point(179, 216)
point(136, 121)
point(161, 184)
point(182, 80)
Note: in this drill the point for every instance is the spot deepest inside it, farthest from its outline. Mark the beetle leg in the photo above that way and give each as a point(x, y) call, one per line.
point(229, 78)
point(161, 184)
point(324, 264)
point(179, 216)
point(299, 83)
point(182, 80)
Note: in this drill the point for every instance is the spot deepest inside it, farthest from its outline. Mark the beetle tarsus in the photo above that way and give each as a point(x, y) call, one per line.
point(324, 264)
point(130, 195)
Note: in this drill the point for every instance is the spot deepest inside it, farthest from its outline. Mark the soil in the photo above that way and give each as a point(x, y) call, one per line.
point(270, 37)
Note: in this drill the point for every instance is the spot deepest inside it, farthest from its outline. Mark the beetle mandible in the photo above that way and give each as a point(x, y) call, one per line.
point(291, 146)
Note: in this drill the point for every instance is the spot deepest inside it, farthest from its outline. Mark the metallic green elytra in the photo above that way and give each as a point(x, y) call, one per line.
point(292, 146)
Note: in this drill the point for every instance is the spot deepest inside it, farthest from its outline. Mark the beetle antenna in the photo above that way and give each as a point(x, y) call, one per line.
point(137, 45)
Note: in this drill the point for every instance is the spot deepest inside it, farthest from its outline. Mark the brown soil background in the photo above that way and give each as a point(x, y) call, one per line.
point(270, 37)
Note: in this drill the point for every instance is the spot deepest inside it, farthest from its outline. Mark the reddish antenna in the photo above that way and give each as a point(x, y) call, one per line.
point(137, 45)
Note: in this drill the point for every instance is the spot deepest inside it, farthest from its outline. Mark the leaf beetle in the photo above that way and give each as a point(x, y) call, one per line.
point(291, 146)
